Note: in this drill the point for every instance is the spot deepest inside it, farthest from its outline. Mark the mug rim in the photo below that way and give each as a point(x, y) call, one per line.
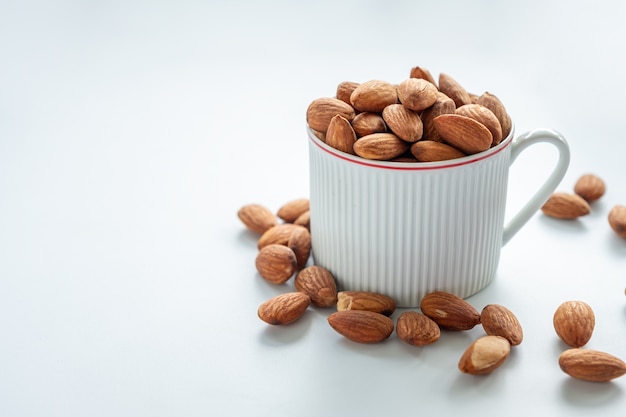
point(412, 166)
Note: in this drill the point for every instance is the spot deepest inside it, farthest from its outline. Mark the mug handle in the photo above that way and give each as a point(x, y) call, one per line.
point(541, 196)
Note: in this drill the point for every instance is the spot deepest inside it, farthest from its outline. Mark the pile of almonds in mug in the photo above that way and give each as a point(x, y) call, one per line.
point(418, 120)
point(284, 249)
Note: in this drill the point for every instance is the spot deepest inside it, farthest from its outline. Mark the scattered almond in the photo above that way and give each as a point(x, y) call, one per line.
point(449, 311)
point(304, 220)
point(484, 355)
point(590, 187)
point(300, 243)
point(284, 308)
point(498, 320)
point(293, 209)
point(278, 235)
point(591, 365)
point(361, 326)
point(417, 329)
point(617, 220)
point(365, 300)
point(319, 284)
point(565, 206)
point(574, 322)
point(257, 218)
point(276, 263)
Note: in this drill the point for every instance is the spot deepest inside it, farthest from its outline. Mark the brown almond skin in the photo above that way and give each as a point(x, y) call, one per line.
point(617, 220)
point(300, 243)
point(417, 329)
point(591, 365)
point(574, 322)
point(276, 263)
point(257, 218)
point(278, 234)
point(494, 104)
point(367, 123)
point(365, 300)
point(450, 87)
point(293, 209)
point(565, 206)
point(464, 133)
point(405, 123)
point(590, 187)
point(304, 220)
point(498, 320)
point(340, 135)
point(431, 151)
point(443, 105)
point(485, 116)
point(417, 94)
point(423, 73)
point(284, 308)
point(373, 96)
point(344, 91)
point(484, 355)
point(322, 110)
point(319, 284)
point(380, 146)
point(449, 311)
point(361, 326)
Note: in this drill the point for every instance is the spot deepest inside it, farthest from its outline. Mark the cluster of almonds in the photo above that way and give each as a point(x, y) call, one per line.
point(416, 120)
point(361, 316)
point(574, 322)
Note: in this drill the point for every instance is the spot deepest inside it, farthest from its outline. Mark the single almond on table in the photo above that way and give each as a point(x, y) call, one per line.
point(361, 326)
point(565, 206)
point(494, 104)
point(257, 218)
point(340, 134)
point(380, 146)
point(284, 308)
point(450, 87)
point(367, 123)
point(405, 123)
point(449, 311)
point(293, 209)
point(431, 151)
point(417, 329)
point(373, 96)
point(322, 110)
point(498, 320)
point(464, 133)
point(617, 220)
point(278, 234)
point(344, 91)
point(485, 116)
point(300, 243)
point(417, 94)
point(591, 365)
point(276, 263)
point(484, 355)
point(574, 322)
point(443, 105)
point(319, 284)
point(365, 300)
point(590, 187)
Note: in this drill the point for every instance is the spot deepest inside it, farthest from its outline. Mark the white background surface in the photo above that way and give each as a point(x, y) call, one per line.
point(131, 133)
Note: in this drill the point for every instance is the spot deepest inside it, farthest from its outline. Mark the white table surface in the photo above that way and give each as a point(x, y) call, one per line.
point(132, 132)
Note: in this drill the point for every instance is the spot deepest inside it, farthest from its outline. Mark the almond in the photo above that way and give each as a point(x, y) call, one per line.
point(449, 311)
point(374, 96)
point(423, 73)
point(405, 123)
point(494, 104)
point(565, 206)
point(590, 187)
point(484, 116)
point(484, 355)
point(574, 322)
point(278, 235)
point(464, 133)
point(319, 284)
point(284, 308)
point(380, 146)
point(417, 329)
point(591, 365)
point(450, 87)
point(340, 135)
point(276, 263)
point(367, 123)
point(617, 220)
point(361, 326)
point(431, 151)
point(365, 300)
point(443, 105)
point(344, 91)
point(498, 320)
point(322, 110)
point(417, 94)
point(300, 243)
point(293, 209)
point(304, 220)
point(257, 218)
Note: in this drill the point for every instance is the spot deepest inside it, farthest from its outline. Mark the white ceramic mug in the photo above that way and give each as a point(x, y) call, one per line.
point(406, 229)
